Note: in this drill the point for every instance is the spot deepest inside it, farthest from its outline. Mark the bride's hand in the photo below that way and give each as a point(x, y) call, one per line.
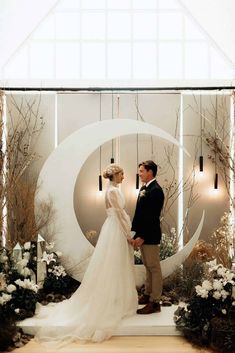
point(131, 241)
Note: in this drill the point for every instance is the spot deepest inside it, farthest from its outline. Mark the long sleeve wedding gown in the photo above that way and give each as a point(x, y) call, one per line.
point(107, 292)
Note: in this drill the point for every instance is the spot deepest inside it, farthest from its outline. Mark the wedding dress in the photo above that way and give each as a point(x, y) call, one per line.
point(107, 292)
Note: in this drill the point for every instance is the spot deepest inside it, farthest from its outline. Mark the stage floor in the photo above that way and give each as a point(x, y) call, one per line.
point(157, 324)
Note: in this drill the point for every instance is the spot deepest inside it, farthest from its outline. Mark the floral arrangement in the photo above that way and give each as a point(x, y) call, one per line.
point(222, 240)
point(18, 295)
point(57, 281)
point(168, 246)
point(19, 291)
point(202, 252)
point(213, 298)
point(137, 257)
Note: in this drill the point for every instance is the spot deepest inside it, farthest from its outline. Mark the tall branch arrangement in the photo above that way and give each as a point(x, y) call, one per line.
point(18, 185)
point(219, 138)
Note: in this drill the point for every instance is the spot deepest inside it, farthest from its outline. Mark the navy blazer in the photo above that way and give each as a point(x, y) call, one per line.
point(146, 221)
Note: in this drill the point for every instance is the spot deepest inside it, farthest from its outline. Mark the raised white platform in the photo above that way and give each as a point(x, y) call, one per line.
point(157, 324)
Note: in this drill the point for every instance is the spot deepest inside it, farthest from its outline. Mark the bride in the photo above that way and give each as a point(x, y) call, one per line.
point(107, 292)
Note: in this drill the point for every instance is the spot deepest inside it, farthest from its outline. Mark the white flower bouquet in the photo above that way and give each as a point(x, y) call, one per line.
point(213, 298)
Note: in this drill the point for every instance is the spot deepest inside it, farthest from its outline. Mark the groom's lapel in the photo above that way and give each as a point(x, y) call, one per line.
point(141, 189)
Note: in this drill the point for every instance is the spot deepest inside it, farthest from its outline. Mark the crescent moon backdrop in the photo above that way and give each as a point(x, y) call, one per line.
point(57, 181)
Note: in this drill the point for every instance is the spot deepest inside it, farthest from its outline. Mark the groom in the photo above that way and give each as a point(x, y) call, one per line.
point(146, 224)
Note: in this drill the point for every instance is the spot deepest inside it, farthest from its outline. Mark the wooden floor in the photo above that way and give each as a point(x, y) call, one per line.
point(125, 344)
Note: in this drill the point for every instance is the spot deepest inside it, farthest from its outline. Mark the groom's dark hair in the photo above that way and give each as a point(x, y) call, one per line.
point(149, 165)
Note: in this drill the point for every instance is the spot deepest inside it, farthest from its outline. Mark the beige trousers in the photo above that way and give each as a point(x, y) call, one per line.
point(151, 260)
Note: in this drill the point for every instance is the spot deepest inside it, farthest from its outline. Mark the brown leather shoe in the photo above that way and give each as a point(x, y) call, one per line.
point(150, 308)
point(143, 299)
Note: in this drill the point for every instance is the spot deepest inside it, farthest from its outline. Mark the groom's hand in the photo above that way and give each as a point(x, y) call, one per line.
point(138, 242)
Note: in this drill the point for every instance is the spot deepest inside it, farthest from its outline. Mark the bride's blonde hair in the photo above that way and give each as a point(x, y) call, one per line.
point(110, 170)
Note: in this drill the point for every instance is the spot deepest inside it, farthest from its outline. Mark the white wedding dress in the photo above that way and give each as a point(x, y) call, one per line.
point(107, 292)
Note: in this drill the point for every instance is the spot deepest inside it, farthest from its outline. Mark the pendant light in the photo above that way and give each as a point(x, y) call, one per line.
point(201, 156)
point(100, 176)
point(216, 179)
point(137, 146)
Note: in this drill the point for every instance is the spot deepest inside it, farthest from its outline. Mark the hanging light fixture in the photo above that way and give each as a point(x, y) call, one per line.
point(100, 182)
point(137, 145)
point(201, 156)
point(112, 158)
point(216, 180)
point(100, 176)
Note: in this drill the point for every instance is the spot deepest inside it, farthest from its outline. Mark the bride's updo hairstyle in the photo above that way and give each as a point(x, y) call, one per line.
point(110, 170)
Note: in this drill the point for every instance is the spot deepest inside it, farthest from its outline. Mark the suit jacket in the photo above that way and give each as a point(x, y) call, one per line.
point(146, 221)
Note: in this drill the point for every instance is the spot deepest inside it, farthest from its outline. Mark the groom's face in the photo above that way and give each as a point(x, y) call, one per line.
point(145, 175)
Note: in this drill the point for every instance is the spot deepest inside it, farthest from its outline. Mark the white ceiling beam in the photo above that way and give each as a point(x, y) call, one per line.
point(216, 18)
point(17, 21)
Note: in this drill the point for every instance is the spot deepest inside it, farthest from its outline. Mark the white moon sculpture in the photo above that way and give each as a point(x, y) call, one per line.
point(57, 181)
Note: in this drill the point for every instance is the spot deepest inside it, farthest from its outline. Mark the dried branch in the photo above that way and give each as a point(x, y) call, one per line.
point(24, 125)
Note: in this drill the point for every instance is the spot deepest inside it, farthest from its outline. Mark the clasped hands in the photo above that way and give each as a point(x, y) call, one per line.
point(136, 243)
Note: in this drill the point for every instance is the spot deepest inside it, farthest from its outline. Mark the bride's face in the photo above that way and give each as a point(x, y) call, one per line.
point(118, 178)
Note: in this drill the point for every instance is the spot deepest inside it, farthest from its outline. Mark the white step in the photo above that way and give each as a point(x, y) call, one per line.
point(157, 324)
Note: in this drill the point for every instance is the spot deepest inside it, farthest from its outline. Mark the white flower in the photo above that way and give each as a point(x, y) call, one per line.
point(207, 285)
point(217, 285)
point(224, 294)
point(211, 263)
point(11, 288)
point(228, 278)
point(3, 283)
point(224, 311)
point(59, 271)
point(18, 281)
point(142, 193)
point(3, 258)
point(173, 231)
point(5, 298)
point(202, 292)
point(198, 288)
point(22, 263)
point(21, 267)
point(25, 272)
point(213, 267)
point(137, 253)
point(221, 272)
point(27, 245)
point(217, 294)
point(27, 284)
point(17, 311)
point(26, 255)
point(48, 257)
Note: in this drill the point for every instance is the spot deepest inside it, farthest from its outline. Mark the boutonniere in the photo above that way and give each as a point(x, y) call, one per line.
point(142, 193)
